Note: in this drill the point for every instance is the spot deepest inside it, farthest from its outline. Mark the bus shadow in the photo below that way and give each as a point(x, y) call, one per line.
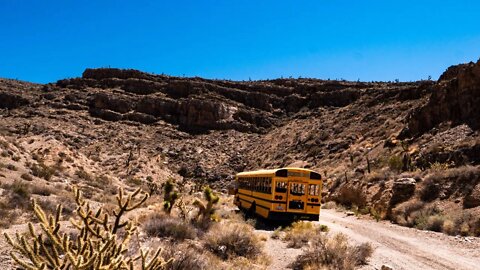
point(260, 223)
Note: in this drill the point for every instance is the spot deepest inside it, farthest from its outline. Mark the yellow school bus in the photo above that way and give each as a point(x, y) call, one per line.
point(280, 194)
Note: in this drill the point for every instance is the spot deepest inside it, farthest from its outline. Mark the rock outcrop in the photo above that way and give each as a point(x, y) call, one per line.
point(455, 98)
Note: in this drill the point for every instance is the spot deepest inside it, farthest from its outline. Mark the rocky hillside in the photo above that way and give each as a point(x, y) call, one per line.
point(134, 127)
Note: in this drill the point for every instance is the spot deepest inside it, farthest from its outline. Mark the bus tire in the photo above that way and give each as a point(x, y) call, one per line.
point(252, 210)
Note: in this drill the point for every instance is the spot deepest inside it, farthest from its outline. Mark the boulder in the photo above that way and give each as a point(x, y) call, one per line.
point(472, 199)
point(12, 101)
point(111, 102)
point(402, 190)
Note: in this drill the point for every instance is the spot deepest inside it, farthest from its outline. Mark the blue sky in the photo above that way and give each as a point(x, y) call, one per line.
point(43, 41)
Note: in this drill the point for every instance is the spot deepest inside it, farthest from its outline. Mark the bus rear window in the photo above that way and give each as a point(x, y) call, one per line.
point(281, 187)
point(297, 189)
point(313, 190)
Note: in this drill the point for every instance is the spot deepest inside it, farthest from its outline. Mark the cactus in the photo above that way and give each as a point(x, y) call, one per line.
point(368, 165)
point(206, 212)
point(98, 245)
point(170, 196)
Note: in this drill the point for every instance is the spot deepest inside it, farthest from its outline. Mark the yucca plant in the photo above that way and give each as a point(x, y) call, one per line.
point(170, 196)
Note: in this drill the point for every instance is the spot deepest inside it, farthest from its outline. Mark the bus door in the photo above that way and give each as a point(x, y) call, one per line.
point(296, 196)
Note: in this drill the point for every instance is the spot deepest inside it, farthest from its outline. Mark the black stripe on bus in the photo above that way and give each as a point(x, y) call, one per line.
point(271, 201)
point(267, 200)
point(314, 204)
point(256, 204)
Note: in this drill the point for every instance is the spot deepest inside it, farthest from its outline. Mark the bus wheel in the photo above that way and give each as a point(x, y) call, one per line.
point(251, 211)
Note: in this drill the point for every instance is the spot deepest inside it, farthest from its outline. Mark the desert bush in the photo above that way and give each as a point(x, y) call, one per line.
point(376, 177)
point(326, 252)
point(329, 205)
point(422, 219)
point(301, 232)
point(43, 171)
point(102, 242)
point(161, 225)
point(352, 195)
point(401, 213)
point(276, 233)
point(395, 163)
point(82, 174)
point(186, 257)
point(229, 240)
point(41, 190)
point(11, 167)
point(435, 223)
point(8, 215)
point(461, 180)
point(430, 189)
point(26, 176)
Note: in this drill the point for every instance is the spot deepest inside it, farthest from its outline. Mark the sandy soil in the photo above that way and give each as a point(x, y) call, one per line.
point(406, 248)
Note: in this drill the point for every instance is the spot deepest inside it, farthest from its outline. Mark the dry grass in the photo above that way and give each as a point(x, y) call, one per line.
point(334, 252)
point(187, 257)
point(161, 225)
point(448, 182)
point(43, 171)
point(42, 190)
point(301, 232)
point(329, 205)
point(230, 240)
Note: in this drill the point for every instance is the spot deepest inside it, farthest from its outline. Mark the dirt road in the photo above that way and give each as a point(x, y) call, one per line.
point(406, 248)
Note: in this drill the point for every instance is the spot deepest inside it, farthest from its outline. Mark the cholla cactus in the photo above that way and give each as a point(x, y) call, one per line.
point(206, 212)
point(98, 245)
point(170, 196)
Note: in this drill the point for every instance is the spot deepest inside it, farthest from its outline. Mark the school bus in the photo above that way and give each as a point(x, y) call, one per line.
point(280, 194)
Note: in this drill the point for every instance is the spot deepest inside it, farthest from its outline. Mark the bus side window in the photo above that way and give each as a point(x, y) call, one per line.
point(269, 185)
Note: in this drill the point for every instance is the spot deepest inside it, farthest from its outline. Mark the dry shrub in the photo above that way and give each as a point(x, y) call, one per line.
point(333, 253)
point(82, 174)
point(8, 215)
point(350, 195)
point(430, 189)
point(460, 180)
point(425, 218)
point(230, 240)
point(329, 205)
point(186, 257)
point(301, 232)
point(449, 227)
point(26, 176)
point(43, 171)
point(276, 233)
point(161, 225)
point(41, 190)
point(402, 212)
point(376, 177)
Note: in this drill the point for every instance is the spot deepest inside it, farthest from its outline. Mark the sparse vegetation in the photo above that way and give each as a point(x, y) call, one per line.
point(161, 225)
point(229, 240)
point(333, 252)
point(301, 232)
point(43, 171)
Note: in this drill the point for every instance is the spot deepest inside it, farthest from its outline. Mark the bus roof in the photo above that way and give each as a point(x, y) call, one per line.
point(273, 171)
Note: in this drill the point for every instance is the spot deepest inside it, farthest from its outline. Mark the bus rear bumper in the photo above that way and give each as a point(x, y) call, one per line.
point(283, 216)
